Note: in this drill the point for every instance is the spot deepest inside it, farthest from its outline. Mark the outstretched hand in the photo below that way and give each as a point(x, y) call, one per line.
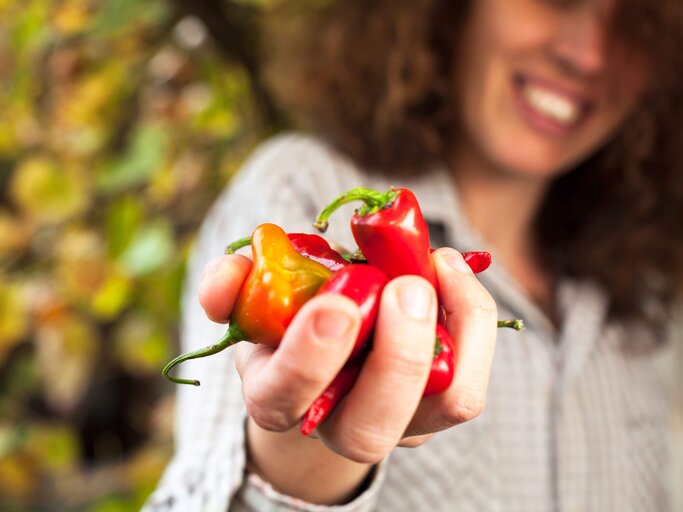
point(385, 408)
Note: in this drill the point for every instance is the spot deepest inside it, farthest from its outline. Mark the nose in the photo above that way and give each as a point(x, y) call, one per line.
point(580, 48)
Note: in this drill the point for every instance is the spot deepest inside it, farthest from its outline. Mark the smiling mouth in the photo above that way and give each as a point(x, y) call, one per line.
point(548, 108)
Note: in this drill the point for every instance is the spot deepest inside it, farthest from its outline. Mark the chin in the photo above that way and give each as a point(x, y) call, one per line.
point(538, 161)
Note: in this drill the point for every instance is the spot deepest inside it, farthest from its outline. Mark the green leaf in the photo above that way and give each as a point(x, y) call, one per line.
point(55, 446)
point(151, 247)
point(11, 438)
point(31, 28)
point(141, 345)
point(111, 504)
point(119, 15)
point(123, 220)
point(147, 151)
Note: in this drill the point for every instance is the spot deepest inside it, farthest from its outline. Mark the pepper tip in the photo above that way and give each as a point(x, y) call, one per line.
point(307, 427)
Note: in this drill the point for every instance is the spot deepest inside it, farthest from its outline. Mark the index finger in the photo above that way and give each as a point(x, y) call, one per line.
point(221, 282)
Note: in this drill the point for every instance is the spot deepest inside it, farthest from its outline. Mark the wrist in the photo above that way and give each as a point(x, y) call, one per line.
point(303, 467)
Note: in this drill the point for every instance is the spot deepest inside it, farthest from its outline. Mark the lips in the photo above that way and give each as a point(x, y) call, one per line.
point(550, 109)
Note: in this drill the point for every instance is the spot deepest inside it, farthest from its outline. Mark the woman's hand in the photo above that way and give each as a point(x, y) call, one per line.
point(385, 408)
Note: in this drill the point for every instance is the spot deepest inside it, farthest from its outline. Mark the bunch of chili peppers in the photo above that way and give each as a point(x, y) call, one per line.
point(289, 269)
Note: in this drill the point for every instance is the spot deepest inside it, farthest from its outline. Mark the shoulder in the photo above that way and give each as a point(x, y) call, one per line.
point(286, 180)
point(298, 160)
point(292, 172)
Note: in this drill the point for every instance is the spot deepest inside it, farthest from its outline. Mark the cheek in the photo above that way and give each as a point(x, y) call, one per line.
point(501, 35)
point(519, 26)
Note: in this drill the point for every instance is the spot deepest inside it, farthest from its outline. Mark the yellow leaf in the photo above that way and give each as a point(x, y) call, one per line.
point(141, 346)
point(8, 139)
point(47, 193)
point(14, 234)
point(81, 264)
point(111, 296)
point(17, 476)
point(13, 318)
point(85, 112)
point(87, 277)
point(146, 466)
point(163, 186)
point(65, 352)
point(70, 17)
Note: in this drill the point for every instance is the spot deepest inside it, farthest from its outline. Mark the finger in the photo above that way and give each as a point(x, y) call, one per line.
point(471, 320)
point(372, 419)
point(415, 441)
point(279, 386)
point(253, 353)
point(220, 284)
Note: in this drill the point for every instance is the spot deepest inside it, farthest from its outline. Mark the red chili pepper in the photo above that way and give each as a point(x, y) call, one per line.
point(312, 246)
point(477, 260)
point(440, 377)
point(279, 283)
point(389, 230)
point(318, 249)
point(325, 403)
point(443, 364)
point(363, 284)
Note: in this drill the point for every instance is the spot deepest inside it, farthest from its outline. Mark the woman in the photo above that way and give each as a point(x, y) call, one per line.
point(543, 131)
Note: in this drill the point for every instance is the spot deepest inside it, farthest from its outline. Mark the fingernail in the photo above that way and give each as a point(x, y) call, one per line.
point(415, 300)
point(457, 262)
point(331, 324)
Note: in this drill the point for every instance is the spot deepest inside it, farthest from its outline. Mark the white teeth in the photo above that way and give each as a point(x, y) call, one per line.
point(551, 105)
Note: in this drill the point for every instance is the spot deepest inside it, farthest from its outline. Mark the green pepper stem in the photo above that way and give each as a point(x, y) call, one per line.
point(237, 245)
point(515, 324)
point(233, 335)
point(373, 201)
point(437, 347)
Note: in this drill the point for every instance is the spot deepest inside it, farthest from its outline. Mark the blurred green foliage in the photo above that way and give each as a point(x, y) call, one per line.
point(120, 123)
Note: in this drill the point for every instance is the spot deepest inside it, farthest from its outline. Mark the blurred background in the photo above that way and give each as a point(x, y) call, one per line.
point(120, 122)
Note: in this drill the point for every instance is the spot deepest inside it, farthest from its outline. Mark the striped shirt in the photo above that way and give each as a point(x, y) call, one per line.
point(578, 416)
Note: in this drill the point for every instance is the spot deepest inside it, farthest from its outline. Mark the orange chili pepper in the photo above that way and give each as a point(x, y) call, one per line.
point(280, 281)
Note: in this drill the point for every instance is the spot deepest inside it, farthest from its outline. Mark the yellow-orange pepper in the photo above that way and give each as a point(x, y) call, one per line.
point(279, 283)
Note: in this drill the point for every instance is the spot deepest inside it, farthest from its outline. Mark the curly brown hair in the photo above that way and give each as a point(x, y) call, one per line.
point(374, 78)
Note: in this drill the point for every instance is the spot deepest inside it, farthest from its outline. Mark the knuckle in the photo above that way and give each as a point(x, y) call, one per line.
point(365, 446)
point(465, 407)
point(266, 416)
point(302, 377)
point(407, 364)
